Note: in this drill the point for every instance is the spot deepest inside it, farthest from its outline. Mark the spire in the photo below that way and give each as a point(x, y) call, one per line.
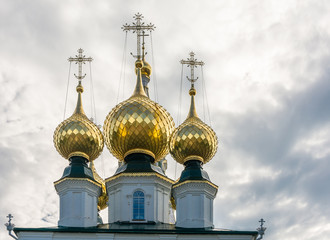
point(139, 90)
point(80, 59)
point(79, 108)
point(192, 63)
point(138, 27)
point(192, 110)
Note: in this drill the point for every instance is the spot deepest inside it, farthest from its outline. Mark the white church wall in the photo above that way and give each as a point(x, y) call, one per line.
point(194, 201)
point(78, 202)
point(156, 198)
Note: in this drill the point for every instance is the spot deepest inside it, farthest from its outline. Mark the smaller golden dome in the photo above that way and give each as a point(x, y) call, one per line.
point(77, 135)
point(103, 198)
point(193, 139)
point(145, 70)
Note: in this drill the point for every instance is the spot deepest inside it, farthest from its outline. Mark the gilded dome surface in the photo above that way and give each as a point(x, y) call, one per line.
point(193, 139)
point(78, 136)
point(138, 125)
point(146, 69)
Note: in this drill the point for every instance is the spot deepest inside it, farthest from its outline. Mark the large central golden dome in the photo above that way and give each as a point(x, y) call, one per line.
point(138, 125)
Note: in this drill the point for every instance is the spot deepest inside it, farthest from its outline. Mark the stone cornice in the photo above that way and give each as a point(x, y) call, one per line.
point(195, 186)
point(67, 183)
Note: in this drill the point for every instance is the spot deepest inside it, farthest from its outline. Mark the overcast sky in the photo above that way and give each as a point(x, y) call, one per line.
point(267, 78)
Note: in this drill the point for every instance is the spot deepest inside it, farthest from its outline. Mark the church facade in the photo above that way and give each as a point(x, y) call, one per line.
point(142, 202)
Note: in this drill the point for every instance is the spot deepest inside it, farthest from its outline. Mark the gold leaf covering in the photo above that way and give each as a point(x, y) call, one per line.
point(78, 136)
point(193, 139)
point(138, 125)
point(146, 69)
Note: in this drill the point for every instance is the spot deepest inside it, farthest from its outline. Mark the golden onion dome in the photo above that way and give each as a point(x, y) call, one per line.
point(145, 70)
point(138, 125)
point(77, 135)
point(193, 139)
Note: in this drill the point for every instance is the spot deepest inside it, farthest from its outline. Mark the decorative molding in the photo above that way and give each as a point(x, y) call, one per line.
point(142, 174)
point(70, 184)
point(195, 187)
point(77, 179)
point(196, 182)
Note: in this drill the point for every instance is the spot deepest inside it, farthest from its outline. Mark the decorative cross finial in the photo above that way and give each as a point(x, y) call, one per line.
point(262, 221)
point(261, 230)
point(137, 28)
point(10, 217)
point(10, 226)
point(192, 63)
point(80, 59)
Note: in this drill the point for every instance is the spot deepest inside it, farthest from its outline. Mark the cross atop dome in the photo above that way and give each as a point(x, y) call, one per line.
point(192, 63)
point(80, 59)
point(138, 27)
point(10, 217)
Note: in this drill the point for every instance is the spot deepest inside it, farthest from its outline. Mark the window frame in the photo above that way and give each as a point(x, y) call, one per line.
point(138, 206)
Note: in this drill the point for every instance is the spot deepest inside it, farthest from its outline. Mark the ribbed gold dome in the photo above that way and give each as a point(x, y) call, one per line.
point(193, 139)
point(77, 135)
point(138, 125)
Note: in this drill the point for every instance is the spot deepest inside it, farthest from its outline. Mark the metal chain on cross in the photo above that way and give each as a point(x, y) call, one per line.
point(192, 63)
point(138, 27)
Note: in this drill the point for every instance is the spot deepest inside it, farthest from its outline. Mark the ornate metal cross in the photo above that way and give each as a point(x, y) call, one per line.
point(261, 230)
point(262, 221)
point(80, 59)
point(137, 28)
point(10, 217)
point(10, 226)
point(192, 63)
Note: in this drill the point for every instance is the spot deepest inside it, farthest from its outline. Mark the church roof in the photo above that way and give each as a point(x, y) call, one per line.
point(138, 228)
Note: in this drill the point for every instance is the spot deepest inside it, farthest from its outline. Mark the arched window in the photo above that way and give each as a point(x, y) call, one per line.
point(138, 205)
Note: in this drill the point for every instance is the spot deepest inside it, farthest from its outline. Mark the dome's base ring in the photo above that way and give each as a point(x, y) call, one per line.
point(139, 150)
point(78, 154)
point(193, 157)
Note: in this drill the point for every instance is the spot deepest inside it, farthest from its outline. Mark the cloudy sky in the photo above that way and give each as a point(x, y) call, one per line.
point(267, 78)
